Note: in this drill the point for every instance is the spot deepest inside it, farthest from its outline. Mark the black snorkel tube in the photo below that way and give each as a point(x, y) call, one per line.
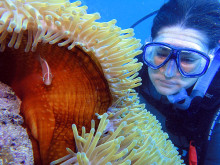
point(144, 18)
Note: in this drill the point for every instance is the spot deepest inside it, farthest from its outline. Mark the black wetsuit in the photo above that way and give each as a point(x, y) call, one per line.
point(193, 124)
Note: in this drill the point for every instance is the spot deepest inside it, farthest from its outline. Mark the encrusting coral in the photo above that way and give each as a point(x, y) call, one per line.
point(15, 145)
point(92, 67)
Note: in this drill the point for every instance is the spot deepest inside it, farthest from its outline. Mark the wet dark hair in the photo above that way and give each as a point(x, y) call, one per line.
point(201, 15)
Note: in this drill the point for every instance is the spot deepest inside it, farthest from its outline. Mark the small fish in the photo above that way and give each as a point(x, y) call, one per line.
point(46, 72)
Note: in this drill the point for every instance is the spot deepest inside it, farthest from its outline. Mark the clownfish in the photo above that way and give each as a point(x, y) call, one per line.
point(46, 72)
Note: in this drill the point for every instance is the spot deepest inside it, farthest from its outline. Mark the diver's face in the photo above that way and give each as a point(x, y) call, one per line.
point(167, 79)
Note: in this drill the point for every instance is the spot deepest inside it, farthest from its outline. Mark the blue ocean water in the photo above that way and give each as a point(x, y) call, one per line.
point(126, 13)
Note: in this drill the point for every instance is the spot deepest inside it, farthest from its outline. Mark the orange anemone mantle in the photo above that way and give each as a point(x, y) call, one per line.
point(92, 66)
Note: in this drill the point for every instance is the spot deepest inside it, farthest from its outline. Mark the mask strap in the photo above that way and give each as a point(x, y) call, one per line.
point(200, 87)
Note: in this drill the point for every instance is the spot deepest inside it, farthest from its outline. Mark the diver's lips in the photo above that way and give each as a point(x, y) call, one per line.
point(167, 83)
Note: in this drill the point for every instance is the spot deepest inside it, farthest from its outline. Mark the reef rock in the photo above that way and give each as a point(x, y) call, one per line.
point(15, 145)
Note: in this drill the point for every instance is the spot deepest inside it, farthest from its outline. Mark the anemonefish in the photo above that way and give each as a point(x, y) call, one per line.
point(46, 72)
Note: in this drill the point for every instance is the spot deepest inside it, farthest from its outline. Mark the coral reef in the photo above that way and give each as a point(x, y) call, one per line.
point(15, 146)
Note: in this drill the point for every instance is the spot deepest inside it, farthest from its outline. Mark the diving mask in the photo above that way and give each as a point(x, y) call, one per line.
point(190, 62)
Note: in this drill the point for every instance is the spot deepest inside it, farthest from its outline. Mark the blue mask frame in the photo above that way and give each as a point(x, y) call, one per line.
point(174, 55)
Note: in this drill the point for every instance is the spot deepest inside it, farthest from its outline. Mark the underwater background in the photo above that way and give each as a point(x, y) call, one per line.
point(126, 13)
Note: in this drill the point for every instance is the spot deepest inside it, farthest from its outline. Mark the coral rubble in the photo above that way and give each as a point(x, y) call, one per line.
point(15, 146)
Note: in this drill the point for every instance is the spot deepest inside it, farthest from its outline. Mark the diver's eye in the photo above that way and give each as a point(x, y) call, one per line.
point(162, 52)
point(189, 57)
point(161, 55)
point(188, 60)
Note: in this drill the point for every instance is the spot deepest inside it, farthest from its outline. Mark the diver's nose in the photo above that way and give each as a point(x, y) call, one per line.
point(170, 68)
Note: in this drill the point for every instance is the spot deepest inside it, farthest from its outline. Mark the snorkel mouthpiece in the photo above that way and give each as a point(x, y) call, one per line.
point(178, 97)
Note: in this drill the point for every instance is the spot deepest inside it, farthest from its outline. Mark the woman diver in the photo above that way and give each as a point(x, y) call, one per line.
point(180, 78)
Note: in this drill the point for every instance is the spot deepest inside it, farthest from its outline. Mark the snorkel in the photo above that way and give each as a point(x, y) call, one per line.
point(181, 100)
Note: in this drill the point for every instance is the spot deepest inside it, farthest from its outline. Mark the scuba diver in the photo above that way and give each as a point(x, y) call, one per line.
point(181, 77)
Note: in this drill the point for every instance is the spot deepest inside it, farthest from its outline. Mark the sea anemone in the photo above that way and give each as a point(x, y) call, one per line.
point(127, 136)
point(66, 67)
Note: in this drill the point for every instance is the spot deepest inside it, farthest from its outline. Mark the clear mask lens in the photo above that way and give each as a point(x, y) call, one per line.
point(191, 62)
point(156, 54)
